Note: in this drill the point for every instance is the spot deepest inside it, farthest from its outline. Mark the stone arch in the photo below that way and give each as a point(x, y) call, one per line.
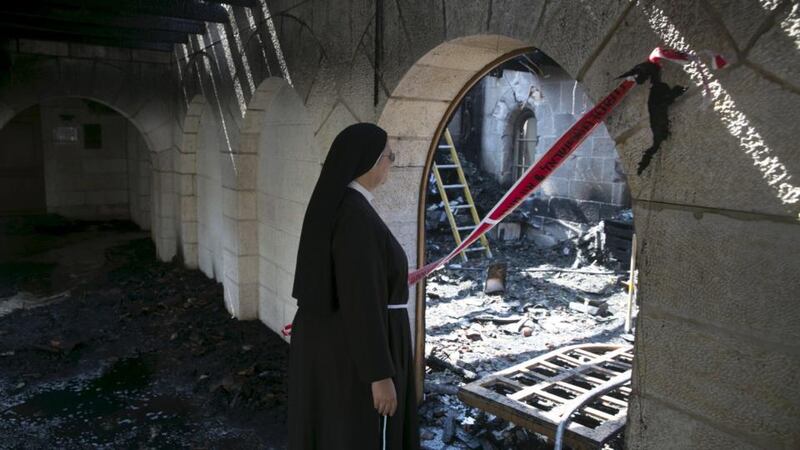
point(134, 89)
point(209, 198)
point(187, 182)
point(415, 116)
point(137, 160)
point(711, 225)
point(279, 131)
point(501, 92)
point(690, 190)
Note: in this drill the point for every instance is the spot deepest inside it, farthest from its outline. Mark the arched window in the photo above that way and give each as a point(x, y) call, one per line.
point(525, 139)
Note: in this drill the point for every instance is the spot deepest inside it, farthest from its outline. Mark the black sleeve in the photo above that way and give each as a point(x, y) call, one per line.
point(361, 286)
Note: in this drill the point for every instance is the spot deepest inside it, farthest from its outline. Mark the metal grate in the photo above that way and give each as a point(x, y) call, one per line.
point(537, 393)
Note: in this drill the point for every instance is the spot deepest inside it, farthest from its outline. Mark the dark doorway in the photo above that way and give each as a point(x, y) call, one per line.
point(21, 165)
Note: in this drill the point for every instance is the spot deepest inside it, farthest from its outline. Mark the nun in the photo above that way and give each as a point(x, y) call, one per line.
point(351, 383)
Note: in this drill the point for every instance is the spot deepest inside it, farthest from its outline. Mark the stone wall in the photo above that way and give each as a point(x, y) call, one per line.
point(134, 83)
point(77, 158)
point(139, 171)
point(590, 185)
point(432, 54)
point(83, 180)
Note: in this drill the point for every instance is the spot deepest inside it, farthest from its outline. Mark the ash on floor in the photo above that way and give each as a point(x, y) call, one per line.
point(471, 334)
point(104, 346)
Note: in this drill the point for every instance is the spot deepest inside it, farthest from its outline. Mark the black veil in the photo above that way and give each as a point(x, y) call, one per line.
point(354, 151)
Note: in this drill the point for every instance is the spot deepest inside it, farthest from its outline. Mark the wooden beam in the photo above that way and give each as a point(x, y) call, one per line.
point(61, 37)
point(71, 28)
point(184, 9)
point(118, 19)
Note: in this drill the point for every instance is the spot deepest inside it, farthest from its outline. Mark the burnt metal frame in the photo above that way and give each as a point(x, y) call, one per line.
point(531, 394)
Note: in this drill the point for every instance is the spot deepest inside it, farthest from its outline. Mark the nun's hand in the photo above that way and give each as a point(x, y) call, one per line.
point(384, 397)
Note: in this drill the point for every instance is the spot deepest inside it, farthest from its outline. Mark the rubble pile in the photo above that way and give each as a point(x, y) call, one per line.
point(607, 243)
point(590, 247)
point(546, 304)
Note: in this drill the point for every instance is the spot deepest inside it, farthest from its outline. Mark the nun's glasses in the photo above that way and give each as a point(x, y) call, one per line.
point(390, 156)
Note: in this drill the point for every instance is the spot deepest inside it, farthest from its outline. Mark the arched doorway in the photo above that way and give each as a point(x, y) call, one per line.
point(210, 148)
point(78, 158)
point(280, 131)
point(416, 116)
point(22, 185)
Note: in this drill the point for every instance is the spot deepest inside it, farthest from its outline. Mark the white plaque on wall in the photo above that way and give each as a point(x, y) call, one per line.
point(64, 135)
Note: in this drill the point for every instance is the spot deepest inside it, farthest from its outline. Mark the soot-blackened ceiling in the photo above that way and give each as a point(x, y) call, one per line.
point(139, 24)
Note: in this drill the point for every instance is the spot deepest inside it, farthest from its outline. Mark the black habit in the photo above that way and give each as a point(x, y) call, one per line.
point(346, 338)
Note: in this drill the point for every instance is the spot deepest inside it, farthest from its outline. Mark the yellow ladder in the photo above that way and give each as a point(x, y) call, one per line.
point(443, 188)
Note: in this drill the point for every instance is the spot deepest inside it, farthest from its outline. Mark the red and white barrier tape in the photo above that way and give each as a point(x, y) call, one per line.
point(717, 62)
point(551, 160)
point(537, 173)
point(568, 142)
point(677, 56)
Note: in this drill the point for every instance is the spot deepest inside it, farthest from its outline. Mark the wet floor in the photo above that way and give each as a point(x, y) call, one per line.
point(114, 409)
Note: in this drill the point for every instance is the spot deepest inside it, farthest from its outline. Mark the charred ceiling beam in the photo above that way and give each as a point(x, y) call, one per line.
point(35, 25)
point(92, 18)
point(62, 37)
point(182, 9)
point(151, 24)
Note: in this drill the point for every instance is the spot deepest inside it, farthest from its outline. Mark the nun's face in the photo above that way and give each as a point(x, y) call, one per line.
point(378, 174)
point(384, 164)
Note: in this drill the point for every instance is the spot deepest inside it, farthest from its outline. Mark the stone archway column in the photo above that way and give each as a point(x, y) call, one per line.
point(187, 179)
point(415, 116)
point(240, 241)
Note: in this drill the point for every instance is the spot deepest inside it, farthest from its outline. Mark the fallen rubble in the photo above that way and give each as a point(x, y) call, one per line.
point(471, 334)
point(176, 370)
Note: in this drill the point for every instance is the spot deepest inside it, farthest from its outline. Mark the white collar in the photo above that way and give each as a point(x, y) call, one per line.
point(360, 188)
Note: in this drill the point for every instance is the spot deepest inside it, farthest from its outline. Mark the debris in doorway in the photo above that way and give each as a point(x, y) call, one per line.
point(608, 243)
point(472, 334)
point(591, 307)
point(436, 217)
point(507, 231)
point(495, 279)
